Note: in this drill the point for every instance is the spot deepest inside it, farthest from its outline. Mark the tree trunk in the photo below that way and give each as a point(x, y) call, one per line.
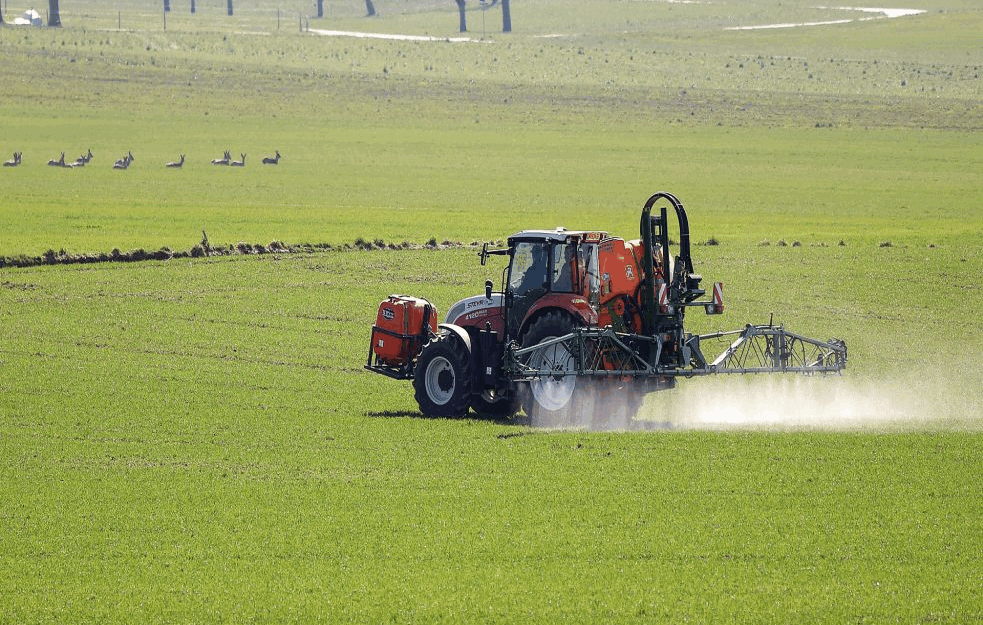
point(54, 17)
point(320, 8)
point(369, 8)
point(506, 17)
point(229, 6)
point(167, 6)
point(464, 18)
point(192, 7)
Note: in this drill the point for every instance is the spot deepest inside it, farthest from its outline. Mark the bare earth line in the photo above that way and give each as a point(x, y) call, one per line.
point(361, 35)
point(883, 14)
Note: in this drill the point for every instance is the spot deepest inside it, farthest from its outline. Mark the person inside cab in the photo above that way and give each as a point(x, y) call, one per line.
point(529, 269)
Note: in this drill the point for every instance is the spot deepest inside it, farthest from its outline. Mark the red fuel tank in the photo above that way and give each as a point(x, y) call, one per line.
point(401, 328)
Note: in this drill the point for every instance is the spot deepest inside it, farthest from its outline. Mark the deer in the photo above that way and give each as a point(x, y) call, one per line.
point(59, 163)
point(272, 160)
point(124, 162)
point(175, 164)
point(82, 160)
point(241, 163)
point(14, 162)
point(224, 160)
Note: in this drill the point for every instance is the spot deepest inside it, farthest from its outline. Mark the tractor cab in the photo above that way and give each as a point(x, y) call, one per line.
point(549, 269)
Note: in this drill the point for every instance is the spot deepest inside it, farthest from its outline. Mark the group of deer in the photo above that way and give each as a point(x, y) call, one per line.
point(124, 162)
point(81, 161)
point(227, 160)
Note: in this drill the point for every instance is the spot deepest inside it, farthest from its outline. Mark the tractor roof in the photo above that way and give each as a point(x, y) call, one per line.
point(559, 234)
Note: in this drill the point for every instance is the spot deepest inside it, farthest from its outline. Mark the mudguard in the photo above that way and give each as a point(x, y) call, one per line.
point(459, 332)
point(570, 303)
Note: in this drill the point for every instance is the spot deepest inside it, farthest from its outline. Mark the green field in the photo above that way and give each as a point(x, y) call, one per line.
point(195, 440)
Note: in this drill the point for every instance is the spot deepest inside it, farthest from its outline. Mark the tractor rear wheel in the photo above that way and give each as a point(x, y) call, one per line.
point(560, 399)
point(572, 400)
point(442, 378)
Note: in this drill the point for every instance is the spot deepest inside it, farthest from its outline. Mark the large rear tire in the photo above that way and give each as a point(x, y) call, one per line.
point(599, 404)
point(559, 400)
point(442, 378)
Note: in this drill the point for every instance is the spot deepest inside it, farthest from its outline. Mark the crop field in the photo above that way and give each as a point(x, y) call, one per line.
point(195, 440)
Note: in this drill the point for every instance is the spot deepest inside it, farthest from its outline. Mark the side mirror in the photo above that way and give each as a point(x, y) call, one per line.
point(488, 289)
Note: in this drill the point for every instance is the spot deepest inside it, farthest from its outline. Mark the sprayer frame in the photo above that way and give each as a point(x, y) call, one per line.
point(663, 349)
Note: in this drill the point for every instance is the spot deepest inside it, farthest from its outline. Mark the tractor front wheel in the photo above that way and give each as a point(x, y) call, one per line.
point(442, 378)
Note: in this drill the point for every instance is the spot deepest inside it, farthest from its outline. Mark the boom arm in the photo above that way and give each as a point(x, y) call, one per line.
point(602, 352)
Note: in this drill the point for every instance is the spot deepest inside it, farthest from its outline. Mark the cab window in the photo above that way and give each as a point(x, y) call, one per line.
point(529, 266)
point(590, 275)
point(565, 268)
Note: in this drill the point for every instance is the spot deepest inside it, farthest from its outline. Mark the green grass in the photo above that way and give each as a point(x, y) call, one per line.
point(195, 440)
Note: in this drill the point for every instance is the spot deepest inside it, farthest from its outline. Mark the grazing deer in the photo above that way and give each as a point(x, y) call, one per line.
point(272, 160)
point(124, 162)
point(176, 163)
point(241, 163)
point(14, 162)
point(59, 163)
point(227, 156)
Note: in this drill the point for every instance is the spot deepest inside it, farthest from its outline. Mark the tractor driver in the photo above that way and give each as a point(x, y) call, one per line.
point(534, 276)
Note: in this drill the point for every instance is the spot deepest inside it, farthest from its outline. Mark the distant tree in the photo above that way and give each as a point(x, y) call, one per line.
point(463, 16)
point(54, 17)
point(506, 17)
point(229, 6)
point(369, 8)
point(320, 8)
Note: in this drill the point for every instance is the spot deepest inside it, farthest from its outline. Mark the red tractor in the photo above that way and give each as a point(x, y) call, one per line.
point(581, 316)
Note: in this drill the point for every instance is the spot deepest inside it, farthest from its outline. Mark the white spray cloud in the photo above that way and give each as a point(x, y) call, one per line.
point(777, 403)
